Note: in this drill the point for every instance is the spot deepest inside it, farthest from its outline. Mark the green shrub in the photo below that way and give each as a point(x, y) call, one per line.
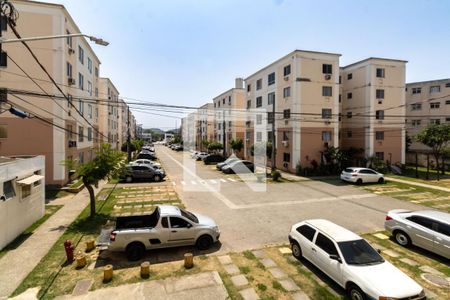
point(276, 175)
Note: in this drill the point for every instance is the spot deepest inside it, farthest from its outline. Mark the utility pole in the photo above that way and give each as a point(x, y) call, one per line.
point(128, 135)
point(3, 26)
point(273, 136)
point(224, 138)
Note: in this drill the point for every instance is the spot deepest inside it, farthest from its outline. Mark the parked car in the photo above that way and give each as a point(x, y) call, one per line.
point(351, 261)
point(213, 158)
point(201, 156)
point(149, 156)
point(239, 166)
point(194, 154)
point(361, 175)
point(229, 160)
point(426, 229)
point(146, 162)
point(142, 172)
point(167, 226)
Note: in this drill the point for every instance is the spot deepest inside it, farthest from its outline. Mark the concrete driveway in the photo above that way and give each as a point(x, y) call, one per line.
point(251, 219)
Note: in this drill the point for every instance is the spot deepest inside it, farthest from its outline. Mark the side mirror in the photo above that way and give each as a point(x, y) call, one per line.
point(189, 225)
point(379, 251)
point(335, 257)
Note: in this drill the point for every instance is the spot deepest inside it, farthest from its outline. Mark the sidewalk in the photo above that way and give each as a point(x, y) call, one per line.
point(18, 263)
point(410, 182)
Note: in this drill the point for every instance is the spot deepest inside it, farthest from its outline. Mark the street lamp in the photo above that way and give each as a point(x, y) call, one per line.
point(94, 39)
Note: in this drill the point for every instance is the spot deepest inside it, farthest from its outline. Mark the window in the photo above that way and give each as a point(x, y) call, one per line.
point(270, 117)
point(3, 131)
point(223, 101)
point(380, 72)
point(90, 111)
point(379, 155)
point(349, 95)
point(287, 70)
point(327, 69)
point(270, 98)
point(307, 232)
point(229, 124)
point(258, 101)
point(422, 221)
point(442, 228)
point(249, 87)
point(287, 92)
point(286, 157)
point(258, 84)
point(96, 93)
point(258, 120)
point(447, 85)
point(90, 65)
point(340, 97)
point(326, 91)
point(415, 123)
point(271, 78)
point(81, 107)
point(447, 102)
point(286, 113)
point(96, 72)
point(417, 90)
point(165, 222)
point(435, 105)
point(249, 104)
point(379, 115)
point(80, 81)
point(326, 136)
point(416, 106)
point(80, 134)
point(435, 89)
point(69, 70)
point(179, 223)
point(349, 115)
point(326, 244)
point(69, 132)
point(285, 136)
point(380, 94)
point(349, 134)
point(379, 135)
point(435, 121)
point(81, 55)
point(89, 88)
point(26, 190)
point(69, 39)
point(447, 119)
point(349, 76)
point(326, 113)
point(229, 100)
point(8, 189)
point(259, 136)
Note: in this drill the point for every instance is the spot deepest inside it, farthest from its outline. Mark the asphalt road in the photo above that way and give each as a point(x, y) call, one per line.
point(250, 219)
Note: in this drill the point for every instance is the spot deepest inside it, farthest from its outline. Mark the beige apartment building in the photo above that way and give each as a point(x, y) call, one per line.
point(373, 108)
point(304, 87)
point(204, 126)
point(229, 118)
point(427, 102)
point(109, 111)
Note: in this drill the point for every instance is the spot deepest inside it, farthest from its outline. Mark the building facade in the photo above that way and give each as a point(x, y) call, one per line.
point(109, 110)
point(205, 126)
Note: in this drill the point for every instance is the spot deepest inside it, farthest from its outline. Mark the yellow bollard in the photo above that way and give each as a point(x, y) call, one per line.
point(107, 273)
point(145, 269)
point(188, 260)
point(81, 260)
point(90, 245)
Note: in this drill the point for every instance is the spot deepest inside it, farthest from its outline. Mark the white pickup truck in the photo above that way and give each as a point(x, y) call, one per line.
point(167, 226)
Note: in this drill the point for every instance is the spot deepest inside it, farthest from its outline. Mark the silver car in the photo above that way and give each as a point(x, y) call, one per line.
point(426, 229)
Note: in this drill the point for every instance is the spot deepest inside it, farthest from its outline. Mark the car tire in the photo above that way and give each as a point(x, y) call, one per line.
point(402, 238)
point(355, 293)
point(156, 178)
point(135, 251)
point(129, 179)
point(359, 181)
point(296, 250)
point(204, 242)
point(381, 180)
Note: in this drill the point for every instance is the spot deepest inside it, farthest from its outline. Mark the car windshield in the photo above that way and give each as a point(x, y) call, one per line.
point(189, 215)
point(359, 252)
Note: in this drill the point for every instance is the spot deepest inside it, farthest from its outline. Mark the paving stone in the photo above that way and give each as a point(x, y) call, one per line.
point(289, 285)
point(300, 296)
point(409, 262)
point(225, 260)
point(431, 270)
point(268, 263)
point(436, 280)
point(260, 253)
point(232, 269)
point(239, 281)
point(381, 236)
point(82, 287)
point(391, 253)
point(378, 246)
point(285, 250)
point(430, 294)
point(277, 273)
point(249, 294)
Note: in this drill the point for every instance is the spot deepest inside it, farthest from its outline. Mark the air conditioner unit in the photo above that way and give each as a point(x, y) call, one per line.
point(380, 101)
point(327, 122)
point(285, 165)
point(247, 140)
point(71, 81)
point(285, 143)
point(286, 78)
point(327, 76)
point(71, 51)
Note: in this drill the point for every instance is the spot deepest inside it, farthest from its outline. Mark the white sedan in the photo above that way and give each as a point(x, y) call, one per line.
point(148, 162)
point(350, 261)
point(361, 175)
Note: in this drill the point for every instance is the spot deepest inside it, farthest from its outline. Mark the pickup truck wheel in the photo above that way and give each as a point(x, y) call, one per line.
point(296, 250)
point(402, 238)
point(157, 178)
point(135, 251)
point(128, 179)
point(204, 242)
point(355, 293)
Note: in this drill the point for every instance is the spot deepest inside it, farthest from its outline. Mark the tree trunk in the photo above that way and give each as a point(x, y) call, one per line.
point(91, 197)
point(436, 156)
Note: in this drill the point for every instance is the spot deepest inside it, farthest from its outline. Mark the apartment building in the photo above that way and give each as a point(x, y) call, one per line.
point(373, 108)
point(427, 102)
point(229, 122)
point(304, 88)
point(109, 110)
point(75, 67)
point(123, 122)
point(204, 126)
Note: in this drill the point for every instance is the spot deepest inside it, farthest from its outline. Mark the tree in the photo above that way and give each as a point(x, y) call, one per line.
point(437, 137)
point(260, 148)
point(213, 146)
point(137, 144)
point(237, 145)
point(408, 142)
point(107, 163)
point(124, 147)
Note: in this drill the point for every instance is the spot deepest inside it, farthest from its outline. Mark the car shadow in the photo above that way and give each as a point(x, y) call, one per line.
point(157, 256)
point(424, 252)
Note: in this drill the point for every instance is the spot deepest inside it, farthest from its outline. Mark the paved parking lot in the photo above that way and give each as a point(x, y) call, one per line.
point(249, 219)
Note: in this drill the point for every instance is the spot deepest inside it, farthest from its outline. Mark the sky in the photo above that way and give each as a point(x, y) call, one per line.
point(186, 52)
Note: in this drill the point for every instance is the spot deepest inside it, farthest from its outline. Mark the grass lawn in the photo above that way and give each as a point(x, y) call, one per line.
point(49, 211)
point(77, 184)
point(51, 194)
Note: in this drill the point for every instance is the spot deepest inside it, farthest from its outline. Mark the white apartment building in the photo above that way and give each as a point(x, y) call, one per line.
point(109, 111)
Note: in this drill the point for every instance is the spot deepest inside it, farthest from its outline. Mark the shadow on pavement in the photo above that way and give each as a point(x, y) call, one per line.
point(424, 252)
